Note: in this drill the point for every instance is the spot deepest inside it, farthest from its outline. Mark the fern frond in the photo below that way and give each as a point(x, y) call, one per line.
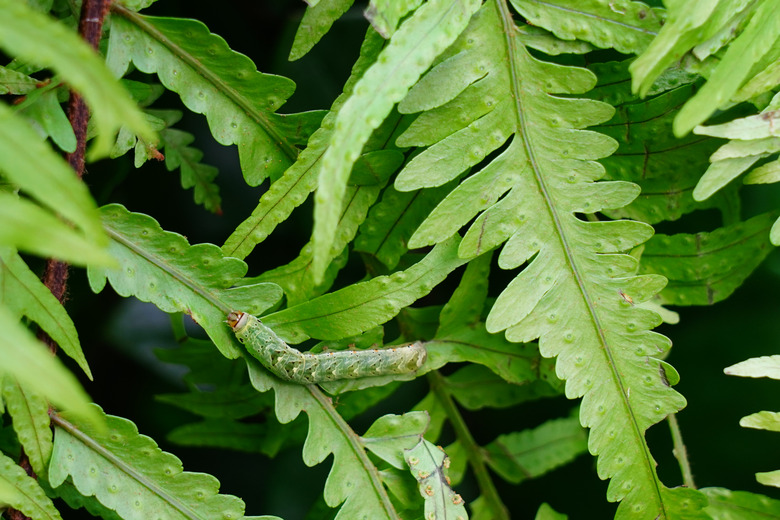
point(30, 414)
point(706, 268)
point(385, 15)
point(428, 463)
point(626, 26)
point(412, 49)
point(178, 155)
point(392, 221)
point(226, 434)
point(529, 453)
point(316, 22)
point(128, 472)
point(15, 82)
point(163, 268)
point(297, 278)
point(49, 117)
point(31, 363)
point(569, 294)
point(292, 189)
point(752, 139)
point(35, 37)
point(354, 481)
point(238, 102)
point(546, 512)
point(24, 294)
point(34, 167)
point(690, 26)
point(23, 493)
point(735, 505)
point(223, 402)
point(361, 306)
point(765, 366)
point(648, 154)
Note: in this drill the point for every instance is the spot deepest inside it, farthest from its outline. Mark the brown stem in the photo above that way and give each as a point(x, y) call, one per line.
point(55, 277)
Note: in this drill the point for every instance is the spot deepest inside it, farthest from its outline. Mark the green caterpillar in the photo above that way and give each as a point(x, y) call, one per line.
point(303, 368)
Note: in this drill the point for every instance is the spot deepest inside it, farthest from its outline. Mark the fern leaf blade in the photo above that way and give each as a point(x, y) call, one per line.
point(213, 80)
point(353, 481)
point(315, 23)
point(427, 462)
point(733, 505)
point(24, 293)
point(40, 172)
point(421, 38)
point(710, 266)
point(627, 26)
point(30, 413)
point(23, 493)
point(292, 189)
point(32, 364)
point(531, 453)
point(34, 36)
point(757, 41)
point(359, 307)
point(161, 267)
point(129, 473)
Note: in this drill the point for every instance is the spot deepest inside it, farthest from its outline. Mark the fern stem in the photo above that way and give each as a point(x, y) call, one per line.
point(473, 450)
point(680, 452)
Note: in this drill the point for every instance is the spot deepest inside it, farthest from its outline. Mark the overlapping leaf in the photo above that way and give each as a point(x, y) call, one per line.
point(736, 505)
point(128, 472)
point(427, 463)
point(15, 82)
point(43, 107)
point(30, 362)
point(385, 15)
point(530, 453)
point(705, 27)
point(412, 49)
point(765, 366)
point(23, 493)
point(292, 189)
point(238, 102)
point(298, 278)
point(30, 414)
point(161, 267)
point(316, 22)
point(569, 294)
point(34, 167)
point(361, 306)
point(665, 167)
point(23, 293)
point(706, 268)
point(752, 139)
point(626, 26)
point(354, 481)
point(35, 37)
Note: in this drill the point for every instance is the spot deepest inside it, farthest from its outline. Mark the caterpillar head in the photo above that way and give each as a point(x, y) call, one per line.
point(237, 319)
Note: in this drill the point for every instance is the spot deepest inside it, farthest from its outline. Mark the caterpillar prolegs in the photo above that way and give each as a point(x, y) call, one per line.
point(304, 368)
